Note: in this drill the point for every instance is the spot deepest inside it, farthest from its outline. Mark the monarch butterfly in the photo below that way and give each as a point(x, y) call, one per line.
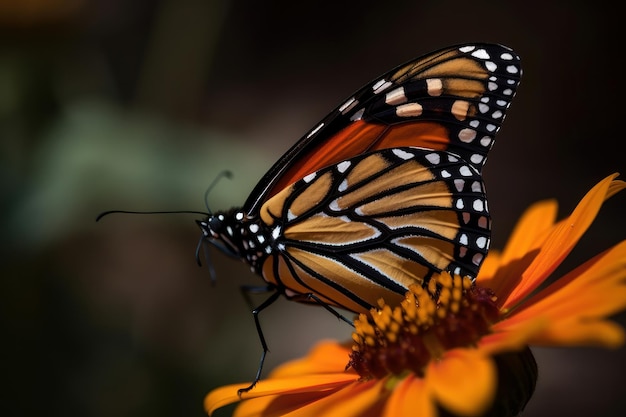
point(384, 192)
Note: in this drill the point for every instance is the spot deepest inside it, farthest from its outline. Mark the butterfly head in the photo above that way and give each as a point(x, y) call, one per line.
point(221, 230)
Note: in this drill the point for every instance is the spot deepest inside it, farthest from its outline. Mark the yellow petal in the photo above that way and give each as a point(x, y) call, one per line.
point(262, 406)
point(325, 357)
point(410, 398)
point(309, 383)
point(580, 300)
point(463, 381)
point(278, 405)
point(275, 405)
point(489, 268)
point(510, 335)
point(358, 399)
point(561, 239)
point(521, 248)
point(599, 333)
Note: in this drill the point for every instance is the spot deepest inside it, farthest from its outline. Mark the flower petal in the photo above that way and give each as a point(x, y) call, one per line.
point(510, 336)
point(521, 248)
point(489, 268)
point(277, 405)
point(463, 381)
point(298, 384)
point(410, 398)
point(575, 306)
point(561, 239)
point(357, 399)
point(296, 405)
point(325, 357)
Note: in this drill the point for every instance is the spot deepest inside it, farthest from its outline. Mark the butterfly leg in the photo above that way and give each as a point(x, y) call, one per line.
point(310, 296)
point(246, 290)
point(255, 313)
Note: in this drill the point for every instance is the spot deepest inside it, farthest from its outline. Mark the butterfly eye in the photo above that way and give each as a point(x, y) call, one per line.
point(215, 225)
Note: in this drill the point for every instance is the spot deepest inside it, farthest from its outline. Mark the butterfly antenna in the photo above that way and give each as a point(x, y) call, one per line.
point(226, 173)
point(106, 213)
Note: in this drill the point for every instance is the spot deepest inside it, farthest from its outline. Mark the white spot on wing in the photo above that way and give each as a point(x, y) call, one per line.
point(342, 166)
point(395, 97)
point(434, 86)
point(478, 205)
point(314, 131)
point(348, 105)
point(511, 69)
point(465, 171)
point(476, 158)
point(481, 54)
point(433, 158)
point(409, 110)
point(467, 135)
point(380, 86)
point(402, 154)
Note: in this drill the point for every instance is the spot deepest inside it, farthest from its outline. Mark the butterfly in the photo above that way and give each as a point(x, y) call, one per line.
point(384, 192)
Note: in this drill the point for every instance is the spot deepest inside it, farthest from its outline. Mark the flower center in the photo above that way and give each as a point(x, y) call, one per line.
point(449, 312)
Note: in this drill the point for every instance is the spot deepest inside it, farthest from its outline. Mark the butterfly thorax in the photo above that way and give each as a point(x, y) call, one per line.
point(238, 236)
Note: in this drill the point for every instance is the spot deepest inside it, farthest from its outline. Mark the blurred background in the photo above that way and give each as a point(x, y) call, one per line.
point(138, 105)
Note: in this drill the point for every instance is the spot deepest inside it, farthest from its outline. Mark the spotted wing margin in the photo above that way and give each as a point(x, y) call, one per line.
point(372, 225)
point(454, 99)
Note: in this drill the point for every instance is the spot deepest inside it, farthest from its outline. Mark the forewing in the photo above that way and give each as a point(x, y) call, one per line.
point(451, 100)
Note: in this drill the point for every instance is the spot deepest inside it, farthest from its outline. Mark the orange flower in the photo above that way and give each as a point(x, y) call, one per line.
point(441, 349)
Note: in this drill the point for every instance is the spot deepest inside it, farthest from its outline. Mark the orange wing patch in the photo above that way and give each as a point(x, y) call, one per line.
point(345, 281)
point(318, 189)
point(434, 194)
point(408, 173)
point(316, 229)
point(444, 223)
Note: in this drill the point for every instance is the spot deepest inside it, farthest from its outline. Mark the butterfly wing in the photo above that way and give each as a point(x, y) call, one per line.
point(452, 100)
point(370, 226)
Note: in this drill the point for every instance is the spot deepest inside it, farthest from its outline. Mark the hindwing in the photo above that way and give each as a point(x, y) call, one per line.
point(370, 226)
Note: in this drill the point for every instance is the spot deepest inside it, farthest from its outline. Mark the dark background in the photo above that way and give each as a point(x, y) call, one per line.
point(115, 104)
